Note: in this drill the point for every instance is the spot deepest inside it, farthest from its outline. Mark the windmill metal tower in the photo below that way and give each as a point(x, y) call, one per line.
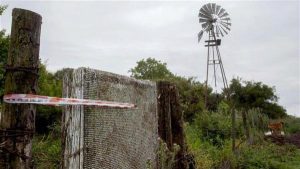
point(216, 22)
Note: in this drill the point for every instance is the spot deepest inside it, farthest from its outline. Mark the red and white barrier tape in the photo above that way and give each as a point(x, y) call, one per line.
point(56, 101)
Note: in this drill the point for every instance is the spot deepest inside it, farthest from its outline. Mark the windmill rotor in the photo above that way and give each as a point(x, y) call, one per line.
point(213, 18)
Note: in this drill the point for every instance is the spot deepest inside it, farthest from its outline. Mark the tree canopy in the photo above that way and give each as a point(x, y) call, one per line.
point(249, 94)
point(244, 94)
point(191, 92)
point(2, 8)
point(4, 45)
point(151, 69)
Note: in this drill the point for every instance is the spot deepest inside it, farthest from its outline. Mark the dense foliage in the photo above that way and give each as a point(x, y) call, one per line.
point(150, 69)
point(245, 95)
point(191, 92)
point(248, 94)
point(4, 44)
point(48, 85)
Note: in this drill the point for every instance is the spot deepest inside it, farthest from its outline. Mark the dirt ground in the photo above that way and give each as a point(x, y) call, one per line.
point(281, 140)
point(293, 139)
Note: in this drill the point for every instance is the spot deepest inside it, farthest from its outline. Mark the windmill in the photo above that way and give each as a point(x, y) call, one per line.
point(216, 22)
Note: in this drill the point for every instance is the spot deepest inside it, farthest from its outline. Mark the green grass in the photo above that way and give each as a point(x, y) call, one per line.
point(260, 155)
point(46, 152)
point(269, 156)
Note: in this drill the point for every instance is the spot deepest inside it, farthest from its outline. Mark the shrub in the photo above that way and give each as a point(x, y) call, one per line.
point(292, 125)
point(205, 154)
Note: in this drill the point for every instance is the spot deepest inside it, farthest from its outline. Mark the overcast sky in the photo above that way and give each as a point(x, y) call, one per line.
point(263, 44)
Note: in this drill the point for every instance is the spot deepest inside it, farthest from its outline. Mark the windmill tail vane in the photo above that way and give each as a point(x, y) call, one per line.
point(200, 34)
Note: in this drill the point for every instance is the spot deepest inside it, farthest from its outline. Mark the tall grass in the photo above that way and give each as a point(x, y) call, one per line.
point(46, 149)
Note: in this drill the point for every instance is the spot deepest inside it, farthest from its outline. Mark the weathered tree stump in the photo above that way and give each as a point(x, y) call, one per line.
point(18, 120)
point(170, 121)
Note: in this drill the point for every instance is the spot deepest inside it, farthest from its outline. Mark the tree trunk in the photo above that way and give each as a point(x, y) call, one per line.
point(18, 120)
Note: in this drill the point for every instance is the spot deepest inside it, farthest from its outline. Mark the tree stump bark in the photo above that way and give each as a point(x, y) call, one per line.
point(18, 120)
point(170, 121)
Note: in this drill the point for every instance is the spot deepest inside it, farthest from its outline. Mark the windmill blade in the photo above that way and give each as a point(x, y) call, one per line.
point(218, 27)
point(221, 26)
point(210, 8)
point(205, 25)
point(207, 8)
point(217, 31)
point(204, 13)
point(200, 34)
point(218, 9)
point(221, 12)
point(225, 14)
point(225, 26)
point(204, 16)
point(225, 19)
point(214, 8)
point(201, 20)
point(226, 23)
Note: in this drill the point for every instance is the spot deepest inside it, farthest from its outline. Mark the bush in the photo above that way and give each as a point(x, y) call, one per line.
point(215, 127)
point(205, 154)
point(292, 125)
point(269, 156)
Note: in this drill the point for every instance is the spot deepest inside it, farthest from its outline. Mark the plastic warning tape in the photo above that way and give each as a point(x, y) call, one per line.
point(56, 101)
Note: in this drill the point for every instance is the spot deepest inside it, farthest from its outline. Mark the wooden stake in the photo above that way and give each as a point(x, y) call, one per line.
point(18, 121)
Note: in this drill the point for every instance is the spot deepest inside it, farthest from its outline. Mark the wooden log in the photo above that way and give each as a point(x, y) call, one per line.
point(18, 121)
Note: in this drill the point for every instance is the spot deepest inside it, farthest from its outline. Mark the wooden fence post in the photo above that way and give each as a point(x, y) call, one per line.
point(18, 120)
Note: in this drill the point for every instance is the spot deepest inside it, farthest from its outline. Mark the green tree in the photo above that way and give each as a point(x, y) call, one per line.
point(191, 95)
point(59, 75)
point(4, 45)
point(151, 69)
point(2, 8)
point(191, 92)
point(249, 94)
point(48, 85)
